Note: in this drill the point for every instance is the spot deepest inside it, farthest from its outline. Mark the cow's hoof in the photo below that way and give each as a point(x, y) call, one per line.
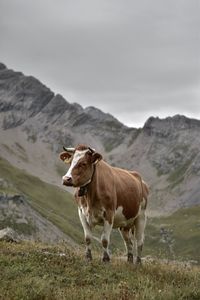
point(88, 255)
point(106, 257)
point(138, 261)
point(130, 258)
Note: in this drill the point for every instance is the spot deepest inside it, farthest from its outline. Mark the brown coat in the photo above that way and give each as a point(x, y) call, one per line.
point(111, 188)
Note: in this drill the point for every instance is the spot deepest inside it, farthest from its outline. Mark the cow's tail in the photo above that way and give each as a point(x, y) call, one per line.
point(145, 193)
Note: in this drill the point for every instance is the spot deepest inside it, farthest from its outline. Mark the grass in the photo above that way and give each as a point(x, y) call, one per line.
point(35, 271)
point(183, 232)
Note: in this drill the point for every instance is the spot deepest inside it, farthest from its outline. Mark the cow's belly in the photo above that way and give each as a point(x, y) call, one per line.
point(120, 219)
point(94, 216)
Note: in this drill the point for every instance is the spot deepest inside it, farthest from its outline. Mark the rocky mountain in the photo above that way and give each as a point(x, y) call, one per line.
point(16, 213)
point(167, 153)
point(35, 123)
point(41, 114)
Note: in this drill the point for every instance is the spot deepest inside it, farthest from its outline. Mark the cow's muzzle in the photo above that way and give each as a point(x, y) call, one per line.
point(67, 181)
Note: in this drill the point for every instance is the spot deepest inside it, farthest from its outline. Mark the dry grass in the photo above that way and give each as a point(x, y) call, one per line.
point(35, 271)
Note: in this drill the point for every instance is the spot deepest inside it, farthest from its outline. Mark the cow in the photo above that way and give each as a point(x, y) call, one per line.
point(107, 196)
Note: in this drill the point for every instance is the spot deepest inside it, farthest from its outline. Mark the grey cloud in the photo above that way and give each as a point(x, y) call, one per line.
point(131, 58)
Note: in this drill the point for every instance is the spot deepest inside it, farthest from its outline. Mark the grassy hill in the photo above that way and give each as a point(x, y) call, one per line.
point(173, 237)
point(176, 236)
point(35, 271)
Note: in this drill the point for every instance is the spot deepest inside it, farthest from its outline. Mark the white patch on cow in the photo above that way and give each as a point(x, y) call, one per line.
point(140, 224)
point(107, 228)
point(94, 216)
point(77, 155)
point(120, 219)
point(143, 204)
point(86, 228)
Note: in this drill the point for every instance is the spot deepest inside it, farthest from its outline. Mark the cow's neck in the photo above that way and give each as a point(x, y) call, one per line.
point(97, 184)
point(83, 190)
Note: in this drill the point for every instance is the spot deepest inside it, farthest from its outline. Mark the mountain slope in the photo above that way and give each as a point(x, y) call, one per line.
point(35, 123)
point(35, 208)
point(175, 236)
point(167, 153)
point(27, 103)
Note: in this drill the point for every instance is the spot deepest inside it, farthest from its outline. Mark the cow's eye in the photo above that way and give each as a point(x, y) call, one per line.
point(81, 165)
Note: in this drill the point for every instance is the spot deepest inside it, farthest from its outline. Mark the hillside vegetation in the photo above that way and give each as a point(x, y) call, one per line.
point(176, 236)
point(35, 271)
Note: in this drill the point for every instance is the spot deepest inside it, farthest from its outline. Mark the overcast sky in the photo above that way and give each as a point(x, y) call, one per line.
point(133, 59)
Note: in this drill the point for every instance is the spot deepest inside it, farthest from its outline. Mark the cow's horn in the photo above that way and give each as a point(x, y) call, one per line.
point(91, 150)
point(69, 149)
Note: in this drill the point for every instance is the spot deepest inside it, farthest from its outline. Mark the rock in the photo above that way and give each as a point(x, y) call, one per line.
point(15, 212)
point(21, 97)
point(9, 235)
point(26, 102)
point(165, 127)
point(2, 66)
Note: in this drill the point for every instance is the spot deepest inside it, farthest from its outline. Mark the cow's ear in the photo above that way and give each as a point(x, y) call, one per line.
point(66, 157)
point(96, 157)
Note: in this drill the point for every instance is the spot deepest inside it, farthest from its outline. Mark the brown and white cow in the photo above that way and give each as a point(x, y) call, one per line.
point(107, 196)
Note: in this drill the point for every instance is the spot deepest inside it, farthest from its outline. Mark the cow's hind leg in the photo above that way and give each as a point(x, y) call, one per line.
point(87, 234)
point(105, 237)
point(140, 223)
point(126, 235)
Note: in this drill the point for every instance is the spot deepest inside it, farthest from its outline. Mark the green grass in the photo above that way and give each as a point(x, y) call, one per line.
point(183, 228)
point(35, 271)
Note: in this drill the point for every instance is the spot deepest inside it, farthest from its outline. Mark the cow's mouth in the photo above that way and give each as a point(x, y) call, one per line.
point(67, 182)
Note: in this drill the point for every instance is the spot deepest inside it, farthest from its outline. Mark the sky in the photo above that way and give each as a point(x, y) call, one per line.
point(133, 59)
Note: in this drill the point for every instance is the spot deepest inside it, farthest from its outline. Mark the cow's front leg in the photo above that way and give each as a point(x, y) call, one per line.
point(87, 233)
point(105, 237)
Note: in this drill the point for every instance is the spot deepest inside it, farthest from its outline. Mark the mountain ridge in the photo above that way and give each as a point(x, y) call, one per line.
point(165, 151)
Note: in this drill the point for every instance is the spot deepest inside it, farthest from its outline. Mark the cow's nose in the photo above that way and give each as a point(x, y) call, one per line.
point(67, 180)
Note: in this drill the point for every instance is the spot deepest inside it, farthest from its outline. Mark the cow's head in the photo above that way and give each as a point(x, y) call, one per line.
point(82, 160)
